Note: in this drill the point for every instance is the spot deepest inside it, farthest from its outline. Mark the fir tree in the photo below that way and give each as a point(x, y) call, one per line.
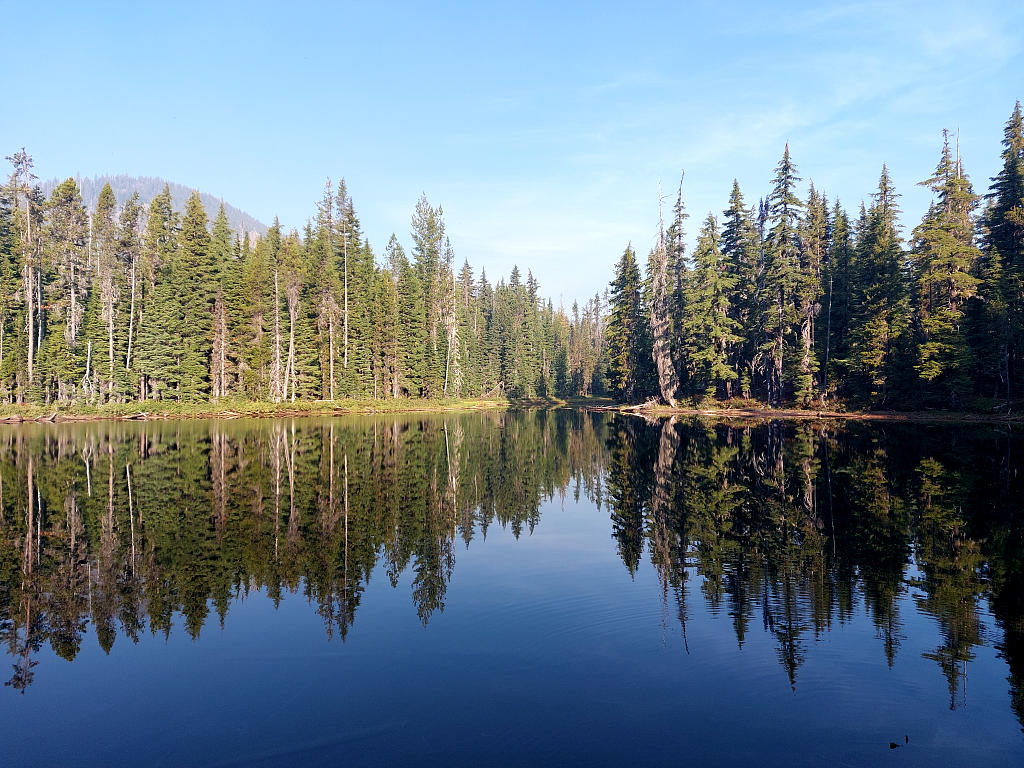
point(943, 260)
point(741, 248)
point(709, 329)
point(880, 319)
point(781, 269)
point(629, 359)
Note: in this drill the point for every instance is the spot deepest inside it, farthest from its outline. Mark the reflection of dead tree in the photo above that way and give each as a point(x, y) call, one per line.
point(24, 645)
point(131, 512)
point(275, 457)
point(293, 517)
point(218, 458)
point(670, 564)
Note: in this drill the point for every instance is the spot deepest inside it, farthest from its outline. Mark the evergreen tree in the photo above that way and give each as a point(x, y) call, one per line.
point(943, 260)
point(110, 287)
point(880, 322)
point(814, 245)
point(193, 272)
point(781, 269)
point(709, 329)
point(630, 368)
point(1003, 265)
point(741, 248)
point(836, 287)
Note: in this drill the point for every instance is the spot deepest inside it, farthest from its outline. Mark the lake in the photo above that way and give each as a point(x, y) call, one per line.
point(511, 588)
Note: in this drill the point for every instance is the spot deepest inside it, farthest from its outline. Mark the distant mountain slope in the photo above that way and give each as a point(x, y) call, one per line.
point(149, 187)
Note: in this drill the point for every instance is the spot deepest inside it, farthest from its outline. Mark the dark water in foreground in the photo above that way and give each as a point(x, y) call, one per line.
point(517, 588)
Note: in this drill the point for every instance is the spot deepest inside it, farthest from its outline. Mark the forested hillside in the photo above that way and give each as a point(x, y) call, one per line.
point(143, 303)
point(797, 301)
point(148, 187)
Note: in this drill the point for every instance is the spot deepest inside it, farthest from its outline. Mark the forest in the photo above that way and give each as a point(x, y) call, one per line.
point(785, 302)
point(797, 302)
point(135, 303)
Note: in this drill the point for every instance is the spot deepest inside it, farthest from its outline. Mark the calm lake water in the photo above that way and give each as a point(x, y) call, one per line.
point(539, 587)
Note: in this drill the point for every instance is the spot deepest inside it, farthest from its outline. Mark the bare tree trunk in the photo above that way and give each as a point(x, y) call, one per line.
point(345, 249)
point(668, 377)
point(223, 351)
point(806, 339)
point(330, 334)
point(72, 322)
point(293, 313)
point(776, 396)
point(828, 339)
point(131, 321)
point(38, 282)
point(110, 347)
point(29, 296)
point(275, 370)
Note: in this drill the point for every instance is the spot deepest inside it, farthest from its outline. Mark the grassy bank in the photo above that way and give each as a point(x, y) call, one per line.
point(231, 408)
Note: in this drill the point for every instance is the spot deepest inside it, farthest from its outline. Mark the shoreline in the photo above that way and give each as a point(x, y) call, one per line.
point(792, 414)
point(35, 414)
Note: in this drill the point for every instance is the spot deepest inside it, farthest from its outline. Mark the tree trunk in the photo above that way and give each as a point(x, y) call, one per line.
point(330, 335)
point(668, 377)
point(29, 296)
point(110, 351)
point(275, 370)
point(828, 339)
point(131, 321)
point(345, 249)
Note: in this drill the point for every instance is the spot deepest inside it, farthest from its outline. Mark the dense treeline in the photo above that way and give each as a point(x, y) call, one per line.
point(141, 304)
point(787, 301)
point(796, 301)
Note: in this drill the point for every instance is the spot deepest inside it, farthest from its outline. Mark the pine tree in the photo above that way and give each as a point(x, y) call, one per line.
point(157, 321)
point(66, 238)
point(193, 271)
point(428, 240)
point(943, 260)
point(630, 367)
point(814, 237)
point(741, 248)
point(129, 255)
point(709, 330)
point(225, 269)
point(111, 282)
point(836, 287)
point(678, 269)
point(880, 319)
point(1004, 256)
point(781, 269)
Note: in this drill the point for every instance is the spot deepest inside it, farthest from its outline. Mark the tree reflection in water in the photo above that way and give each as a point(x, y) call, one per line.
point(133, 527)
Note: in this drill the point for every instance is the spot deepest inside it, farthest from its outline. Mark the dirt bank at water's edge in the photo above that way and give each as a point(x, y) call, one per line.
point(762, 414)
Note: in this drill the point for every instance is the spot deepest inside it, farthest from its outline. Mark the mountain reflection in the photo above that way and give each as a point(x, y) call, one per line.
point(785, 529)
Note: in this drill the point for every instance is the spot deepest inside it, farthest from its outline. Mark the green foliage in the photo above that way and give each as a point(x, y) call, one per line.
point(630, 367)
point(709, 327)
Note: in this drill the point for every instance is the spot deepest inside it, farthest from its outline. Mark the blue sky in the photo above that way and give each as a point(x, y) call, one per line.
point(542, 128)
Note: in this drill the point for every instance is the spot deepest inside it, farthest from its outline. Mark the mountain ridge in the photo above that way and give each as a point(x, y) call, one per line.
point(149, 187)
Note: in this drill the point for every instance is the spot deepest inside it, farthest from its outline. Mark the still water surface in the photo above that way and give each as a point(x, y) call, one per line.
point(511, 588)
